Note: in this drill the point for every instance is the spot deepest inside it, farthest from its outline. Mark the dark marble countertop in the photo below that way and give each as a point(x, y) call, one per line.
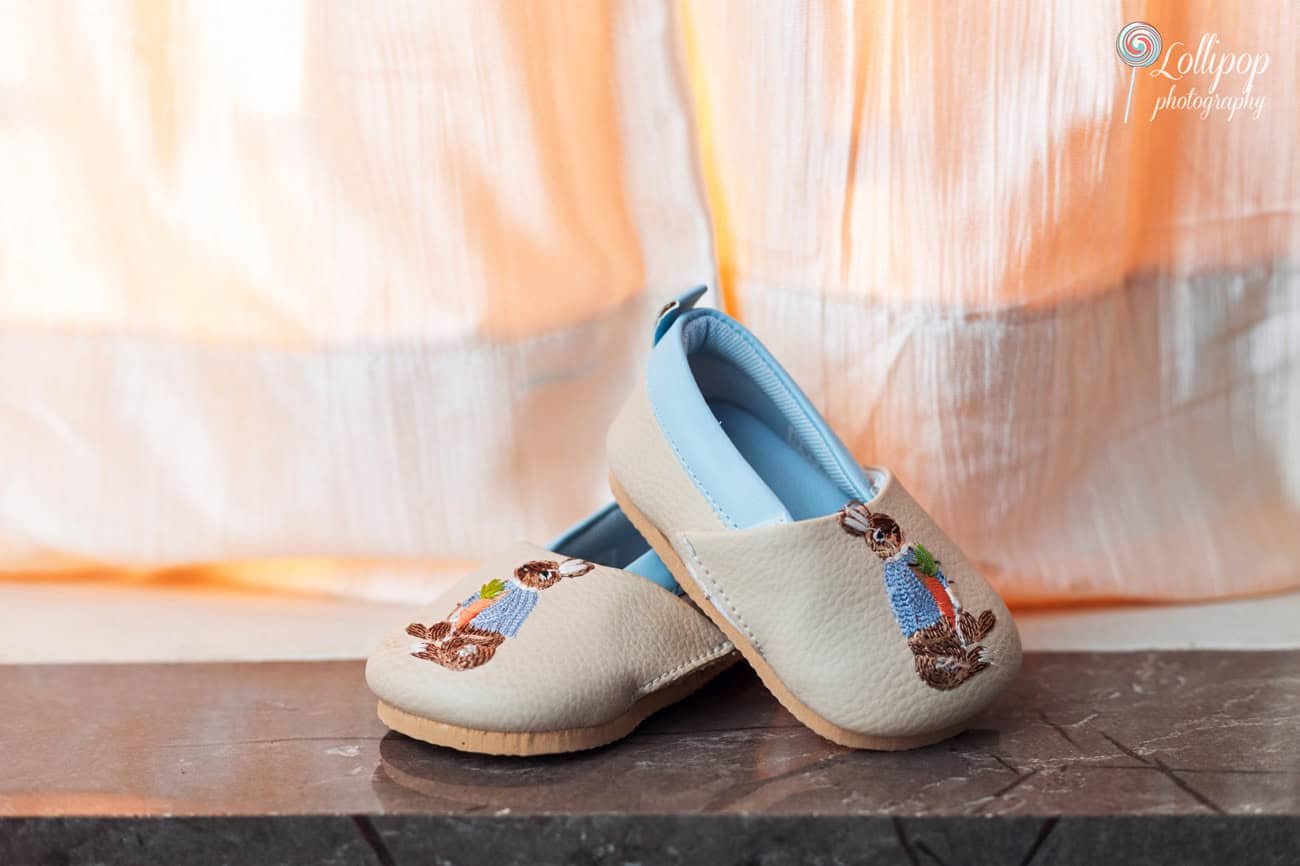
point(1153, 757)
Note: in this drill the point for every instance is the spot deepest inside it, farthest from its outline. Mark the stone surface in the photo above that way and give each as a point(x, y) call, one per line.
point(1187, 757)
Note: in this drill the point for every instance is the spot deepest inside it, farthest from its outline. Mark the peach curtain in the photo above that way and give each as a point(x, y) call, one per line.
point(1076, 339)
point(340, 296)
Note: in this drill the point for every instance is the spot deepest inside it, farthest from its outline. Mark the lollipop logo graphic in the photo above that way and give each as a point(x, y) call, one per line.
point(1138, 45)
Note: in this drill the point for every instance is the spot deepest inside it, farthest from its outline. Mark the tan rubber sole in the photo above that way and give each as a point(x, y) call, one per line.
point(797, 708)
point(526, 743)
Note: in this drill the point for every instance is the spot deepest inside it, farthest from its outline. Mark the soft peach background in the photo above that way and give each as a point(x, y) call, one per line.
point(340, 296)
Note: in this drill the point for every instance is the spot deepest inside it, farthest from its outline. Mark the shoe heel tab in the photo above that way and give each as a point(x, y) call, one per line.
point(674, 308)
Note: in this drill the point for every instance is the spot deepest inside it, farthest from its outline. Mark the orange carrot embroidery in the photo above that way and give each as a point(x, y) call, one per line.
point(489, 594)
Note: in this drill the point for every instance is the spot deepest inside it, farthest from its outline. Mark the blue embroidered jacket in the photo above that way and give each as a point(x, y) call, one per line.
point(507, 613)
point(914, 607)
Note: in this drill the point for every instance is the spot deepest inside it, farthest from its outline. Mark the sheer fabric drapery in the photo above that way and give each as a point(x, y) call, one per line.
point(340, 297)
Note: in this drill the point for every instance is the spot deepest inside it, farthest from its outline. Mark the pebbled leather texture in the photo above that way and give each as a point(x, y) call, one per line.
point(592, 646)
point(812, 600)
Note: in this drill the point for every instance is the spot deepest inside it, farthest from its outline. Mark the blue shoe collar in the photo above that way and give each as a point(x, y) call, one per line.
point(737, 493)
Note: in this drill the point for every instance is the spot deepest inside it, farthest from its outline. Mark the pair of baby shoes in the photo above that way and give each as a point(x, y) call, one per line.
point(742, 527)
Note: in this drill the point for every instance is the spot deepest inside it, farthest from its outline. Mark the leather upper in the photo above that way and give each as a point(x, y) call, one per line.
point(588, 647)
point(812, 599)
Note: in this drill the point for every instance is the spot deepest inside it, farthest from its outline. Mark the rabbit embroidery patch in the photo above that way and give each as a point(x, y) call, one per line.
point(944, 639)
point(471, 633)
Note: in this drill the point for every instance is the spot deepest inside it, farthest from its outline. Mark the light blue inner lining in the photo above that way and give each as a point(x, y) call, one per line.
point(609, 538)
point(747, 436)
point(805, 491)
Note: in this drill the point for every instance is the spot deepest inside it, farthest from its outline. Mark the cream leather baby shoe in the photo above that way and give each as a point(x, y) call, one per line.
point(545, 651)
point(858, 613)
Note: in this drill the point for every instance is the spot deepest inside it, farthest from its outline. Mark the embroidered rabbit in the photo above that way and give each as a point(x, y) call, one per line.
point(475, 628)
point(943, 638)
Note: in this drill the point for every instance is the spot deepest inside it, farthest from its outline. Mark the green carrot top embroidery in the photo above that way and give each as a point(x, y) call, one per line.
point(492, 588)
point(925, 560)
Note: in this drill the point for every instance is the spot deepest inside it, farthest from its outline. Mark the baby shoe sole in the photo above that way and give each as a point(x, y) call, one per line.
point(797, 708)
point(526, 743)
